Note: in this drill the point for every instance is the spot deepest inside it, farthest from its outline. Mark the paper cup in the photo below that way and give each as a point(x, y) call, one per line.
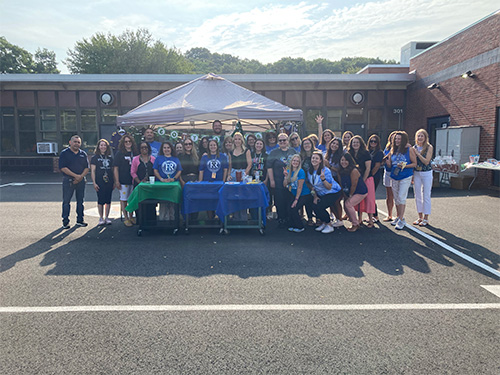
point(151, 180)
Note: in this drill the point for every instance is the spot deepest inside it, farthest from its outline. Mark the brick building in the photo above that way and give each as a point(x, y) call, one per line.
point(458, 99)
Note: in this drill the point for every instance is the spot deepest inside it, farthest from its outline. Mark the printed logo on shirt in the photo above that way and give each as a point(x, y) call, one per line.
point(169, 168)
point(214, 165)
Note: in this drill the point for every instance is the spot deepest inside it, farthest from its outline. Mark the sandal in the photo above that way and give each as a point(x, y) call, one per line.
point(354, 228)
point(310, 222)
point(369, 225)
point(388, 218)
point(375, 219)
point(423, 223)
point(418, 221)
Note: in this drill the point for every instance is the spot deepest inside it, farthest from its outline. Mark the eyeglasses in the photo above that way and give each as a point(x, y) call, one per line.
point(146, 147)
point(373, 141)
point(282, 140)
point(294, 138)
point(188, 144)
point(127, 141)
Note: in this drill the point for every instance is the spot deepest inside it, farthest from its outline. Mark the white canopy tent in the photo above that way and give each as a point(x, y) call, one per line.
point(194, 105)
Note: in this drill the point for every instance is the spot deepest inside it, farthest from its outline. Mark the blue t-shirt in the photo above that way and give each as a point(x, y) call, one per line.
point(270, 148)
point(211, 165)
point(319, 187)
point(167, 166)
point(398, 158)
point(294, 185)
point(322, 148)
point(155, 148)
point(76, 163)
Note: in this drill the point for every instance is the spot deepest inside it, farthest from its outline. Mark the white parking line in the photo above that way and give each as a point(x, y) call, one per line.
point(495, 289)
point(117, 308)
point(451, 249)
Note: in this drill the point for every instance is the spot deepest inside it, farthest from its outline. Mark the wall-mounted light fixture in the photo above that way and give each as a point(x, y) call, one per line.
point(468, 74)
point(433, 86)
point(106, 98)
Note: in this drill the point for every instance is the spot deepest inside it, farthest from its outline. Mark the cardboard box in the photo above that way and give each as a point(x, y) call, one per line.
point(460, 183)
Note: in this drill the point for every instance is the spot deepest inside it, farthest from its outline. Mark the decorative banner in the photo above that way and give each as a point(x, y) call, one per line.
point(258, 135)
point(174, 135)
point(217, 138)
point(161, 131)
point(194, 137)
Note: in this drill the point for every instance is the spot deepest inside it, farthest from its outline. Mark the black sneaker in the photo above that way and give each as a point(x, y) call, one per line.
point(66, 225)
point(81, 224)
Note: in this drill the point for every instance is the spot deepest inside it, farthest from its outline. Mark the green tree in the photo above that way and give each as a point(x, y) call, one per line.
point(45, 61)
point(132, 52)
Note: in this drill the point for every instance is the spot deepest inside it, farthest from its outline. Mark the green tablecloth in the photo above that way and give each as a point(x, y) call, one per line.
point(165, 191)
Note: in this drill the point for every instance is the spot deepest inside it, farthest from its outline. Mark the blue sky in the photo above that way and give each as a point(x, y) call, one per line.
point(262, 30)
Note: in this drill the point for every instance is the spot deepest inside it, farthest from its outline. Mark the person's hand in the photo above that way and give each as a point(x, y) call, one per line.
point(285, 172)
point(319, 119)
point(294, 203)
point(118, 185)
point(229, 178)
point(316, 200)
point(96, 187)
point(77, 179)
point(272, 184)
point(322, 175)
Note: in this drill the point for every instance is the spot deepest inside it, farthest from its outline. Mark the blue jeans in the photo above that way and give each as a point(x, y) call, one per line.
point(68, 189)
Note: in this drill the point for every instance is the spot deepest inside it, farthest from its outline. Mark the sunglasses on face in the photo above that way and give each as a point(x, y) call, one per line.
point(146, 147)
point(293, 139)
point(188, 144)
point(282, 140)
point(373, 141)
point(127, 141)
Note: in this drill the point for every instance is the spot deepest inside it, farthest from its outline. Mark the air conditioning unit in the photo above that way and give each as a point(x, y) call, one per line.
point(46, 148)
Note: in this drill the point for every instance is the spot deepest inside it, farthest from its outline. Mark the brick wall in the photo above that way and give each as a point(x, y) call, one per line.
point(470, 101)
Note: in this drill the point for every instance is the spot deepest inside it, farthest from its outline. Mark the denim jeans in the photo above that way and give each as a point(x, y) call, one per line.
point(68, 189)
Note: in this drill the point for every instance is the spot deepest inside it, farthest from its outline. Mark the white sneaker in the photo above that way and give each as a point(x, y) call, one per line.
point(101, 222)
point(108, 221)
point(338, 223)
point(401, 224)
point(328, 229)
point(321, 227)
point(395, 221)
point(298, 230)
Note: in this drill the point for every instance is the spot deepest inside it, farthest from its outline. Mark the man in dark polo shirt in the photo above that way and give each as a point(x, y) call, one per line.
point(74, 166)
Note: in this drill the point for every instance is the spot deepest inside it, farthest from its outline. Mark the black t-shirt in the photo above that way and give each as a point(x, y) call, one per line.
point(188, 165)
point(239, 162)
point(377, 157)
point(123, 161)
point(362, 157)
point(259, 165)
point(103, 170)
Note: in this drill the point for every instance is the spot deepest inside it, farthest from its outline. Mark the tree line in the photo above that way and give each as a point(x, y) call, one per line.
point(136, 52)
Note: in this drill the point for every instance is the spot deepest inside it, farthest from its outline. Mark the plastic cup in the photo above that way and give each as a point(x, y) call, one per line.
point(239, 175)
point(151, 180)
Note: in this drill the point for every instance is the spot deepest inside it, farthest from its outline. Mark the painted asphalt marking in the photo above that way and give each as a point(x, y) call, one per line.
point(34, 183)
point(495, 289)
point(170, 308)
point(451, 249)
point(114, 212)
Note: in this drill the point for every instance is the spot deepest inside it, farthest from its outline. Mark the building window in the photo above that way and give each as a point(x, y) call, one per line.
point(311, 127)
point(334, 120)
point(27, 131)
point(68, 119)
point(7, 131)
point(48, 125)
point(89, 129)
point(108, 115)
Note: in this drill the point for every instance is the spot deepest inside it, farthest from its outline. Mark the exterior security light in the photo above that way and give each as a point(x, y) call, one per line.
point(468, 74)
point(433, 86)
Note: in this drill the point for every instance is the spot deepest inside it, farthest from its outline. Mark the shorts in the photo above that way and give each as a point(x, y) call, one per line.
point(125, 192)
point(387, 179)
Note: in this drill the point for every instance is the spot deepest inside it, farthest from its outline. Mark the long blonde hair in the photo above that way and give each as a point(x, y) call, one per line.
point(426, 144)
point(238, 134)
point(292, 177)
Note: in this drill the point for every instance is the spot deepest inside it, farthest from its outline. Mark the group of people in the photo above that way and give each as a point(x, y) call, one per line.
point(307, 178)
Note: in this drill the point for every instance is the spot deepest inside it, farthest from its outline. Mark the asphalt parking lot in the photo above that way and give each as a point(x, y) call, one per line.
point(378, 301)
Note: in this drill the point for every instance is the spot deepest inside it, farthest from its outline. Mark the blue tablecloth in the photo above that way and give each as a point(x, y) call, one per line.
point(201, 196)
point(240, 196)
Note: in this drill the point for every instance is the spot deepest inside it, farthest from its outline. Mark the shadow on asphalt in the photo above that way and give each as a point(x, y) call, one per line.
point(471, 249)
point(117, 251)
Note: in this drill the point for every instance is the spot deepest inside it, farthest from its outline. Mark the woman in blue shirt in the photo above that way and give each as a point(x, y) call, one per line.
point(297, 191)
point(401, 160)
point(214, 165)
point(325, 191)
point(167, 168)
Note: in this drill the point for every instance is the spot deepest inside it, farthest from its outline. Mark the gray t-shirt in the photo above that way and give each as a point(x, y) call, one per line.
point(277, 160)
